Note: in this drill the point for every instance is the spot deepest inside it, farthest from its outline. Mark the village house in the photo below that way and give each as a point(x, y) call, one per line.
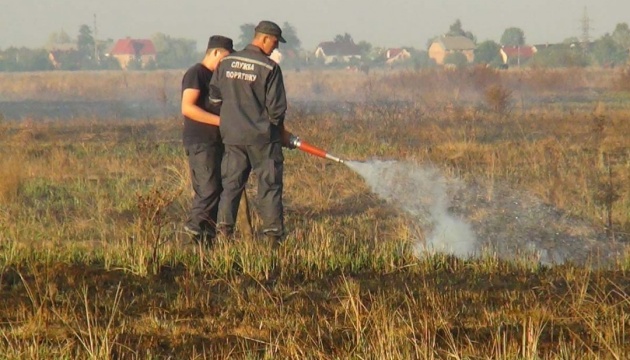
point(540, 47)
point(276, 56)
point(517, 55)
point(396, 55)
point(284, 55)
point(443, 46)
point(64, 56)
point(128, 50)
point(343, 51)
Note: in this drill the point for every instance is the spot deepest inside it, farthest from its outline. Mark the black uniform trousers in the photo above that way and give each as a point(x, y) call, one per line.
point(267, 162)
point(204, 160)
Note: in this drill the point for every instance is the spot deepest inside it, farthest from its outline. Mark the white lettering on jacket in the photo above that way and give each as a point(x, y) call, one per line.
point(242, 66)
point(240, 76)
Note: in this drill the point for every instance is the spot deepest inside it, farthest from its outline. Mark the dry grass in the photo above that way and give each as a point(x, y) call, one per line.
point(11, 178)
point(321, 85)
point(93, 265)
point(101, 86)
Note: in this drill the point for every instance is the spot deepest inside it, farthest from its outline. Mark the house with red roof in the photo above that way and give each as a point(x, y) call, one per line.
point(396, 55)
point(340, 51)
point(128, 50)
point(517, 55)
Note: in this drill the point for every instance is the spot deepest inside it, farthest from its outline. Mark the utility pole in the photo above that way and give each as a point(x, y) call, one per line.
point(96, 53)
point(586, 30)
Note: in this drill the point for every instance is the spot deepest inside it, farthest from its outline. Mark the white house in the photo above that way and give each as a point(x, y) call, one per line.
point(332, 51)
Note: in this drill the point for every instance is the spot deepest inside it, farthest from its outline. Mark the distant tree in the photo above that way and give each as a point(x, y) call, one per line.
point(488, 52)
point(365, 48)
point(345, 38)
point(456, 30)
point(85, 42)
point(109, 63)
point(35, 60)
point(370, 55)
point(607, 52)
point(621, 35)
point(134, 64)
point(24, 59)
point(70, 60)
point(8, 59)
point(57, 38)
point(457, 58)
point(420, 59)
point(513, 36)
point(289, 33)
point(101, 50)
point(174, 53)
point(352, 62)
point(559, 56)
point(246, 36)
point(378, 55)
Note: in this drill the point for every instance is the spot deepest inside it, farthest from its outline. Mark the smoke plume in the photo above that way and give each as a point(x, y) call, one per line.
point(422, 193)
point(468, 219)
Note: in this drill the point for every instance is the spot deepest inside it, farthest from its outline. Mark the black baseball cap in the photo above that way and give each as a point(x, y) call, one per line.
point(270, 28)
point(218, 41)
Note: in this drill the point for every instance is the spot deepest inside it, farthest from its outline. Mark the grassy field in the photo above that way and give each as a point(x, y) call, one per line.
point(93, 263)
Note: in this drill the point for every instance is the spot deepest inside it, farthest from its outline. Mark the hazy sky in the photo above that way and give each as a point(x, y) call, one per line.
point(387, 23)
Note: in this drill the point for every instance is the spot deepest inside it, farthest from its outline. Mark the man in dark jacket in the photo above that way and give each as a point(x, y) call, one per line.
point(202, 140)
point(251, 89)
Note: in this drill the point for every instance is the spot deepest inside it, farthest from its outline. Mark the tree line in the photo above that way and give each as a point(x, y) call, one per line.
point(85, 52)
point(608, 51)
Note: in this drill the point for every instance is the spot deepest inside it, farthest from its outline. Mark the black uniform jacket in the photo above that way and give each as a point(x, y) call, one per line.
point(250, 86)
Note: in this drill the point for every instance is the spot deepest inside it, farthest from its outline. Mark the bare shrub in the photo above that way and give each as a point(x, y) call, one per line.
point(498, 99)
point(481, 77)
point(152, 221)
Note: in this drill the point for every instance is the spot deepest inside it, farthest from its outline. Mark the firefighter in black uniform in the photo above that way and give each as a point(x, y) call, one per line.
point(251, 89)
point(202, 140)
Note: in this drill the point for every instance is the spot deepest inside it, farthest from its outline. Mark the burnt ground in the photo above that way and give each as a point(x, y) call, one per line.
point(182, 313)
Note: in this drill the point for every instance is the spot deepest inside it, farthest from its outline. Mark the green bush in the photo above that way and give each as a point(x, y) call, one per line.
point(560, 56)
point(457, 59)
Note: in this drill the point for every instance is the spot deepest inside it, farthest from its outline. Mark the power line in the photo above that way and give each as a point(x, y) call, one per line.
point(586, 30)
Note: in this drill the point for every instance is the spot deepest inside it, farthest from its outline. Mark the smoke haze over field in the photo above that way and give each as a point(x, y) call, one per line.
point(467, 219)
point(382, 23)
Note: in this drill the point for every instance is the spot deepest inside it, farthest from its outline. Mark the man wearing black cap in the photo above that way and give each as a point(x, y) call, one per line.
point(202, 140)
point(251, 88)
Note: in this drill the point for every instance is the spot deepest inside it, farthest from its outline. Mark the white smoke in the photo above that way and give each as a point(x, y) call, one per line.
point(420, 191)
point(467, 219)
